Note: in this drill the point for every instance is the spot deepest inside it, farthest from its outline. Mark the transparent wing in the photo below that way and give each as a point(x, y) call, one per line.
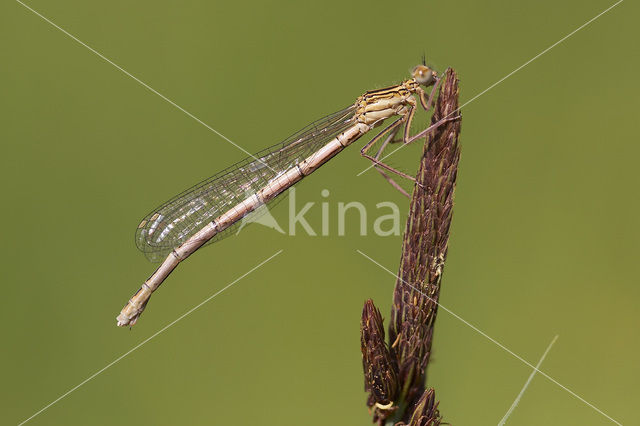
point(175, 221)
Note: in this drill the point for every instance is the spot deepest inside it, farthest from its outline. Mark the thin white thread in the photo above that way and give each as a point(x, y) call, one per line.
point(509, 75)
point(526, 385)
point(146, 340)
point(142, 83)
point(503, 347)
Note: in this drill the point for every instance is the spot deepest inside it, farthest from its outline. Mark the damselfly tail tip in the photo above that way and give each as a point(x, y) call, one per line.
point(128, 317)
point(124, 321)
point(134, 308)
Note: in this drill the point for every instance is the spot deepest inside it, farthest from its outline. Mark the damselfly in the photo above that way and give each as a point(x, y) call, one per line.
point(208, 211)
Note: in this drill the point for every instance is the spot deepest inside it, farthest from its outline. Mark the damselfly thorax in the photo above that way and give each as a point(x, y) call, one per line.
point(377, 105)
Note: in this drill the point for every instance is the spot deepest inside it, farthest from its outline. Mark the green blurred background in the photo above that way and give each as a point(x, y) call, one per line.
point(544, 238)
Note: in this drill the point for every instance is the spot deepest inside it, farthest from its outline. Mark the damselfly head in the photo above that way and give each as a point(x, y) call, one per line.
point(424, 75)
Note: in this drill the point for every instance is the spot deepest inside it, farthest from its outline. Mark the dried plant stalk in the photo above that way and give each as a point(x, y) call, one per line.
point(417, 288)
point(424, 247)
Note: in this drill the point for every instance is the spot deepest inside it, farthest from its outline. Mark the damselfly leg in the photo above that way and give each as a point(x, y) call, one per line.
point(392, 130)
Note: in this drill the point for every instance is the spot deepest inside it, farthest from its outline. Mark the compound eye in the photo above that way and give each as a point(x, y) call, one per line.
point(423, 74)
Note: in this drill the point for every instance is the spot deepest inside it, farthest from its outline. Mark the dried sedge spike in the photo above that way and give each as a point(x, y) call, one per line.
point(425, 247)
point(425, 412)
point(380, 370)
